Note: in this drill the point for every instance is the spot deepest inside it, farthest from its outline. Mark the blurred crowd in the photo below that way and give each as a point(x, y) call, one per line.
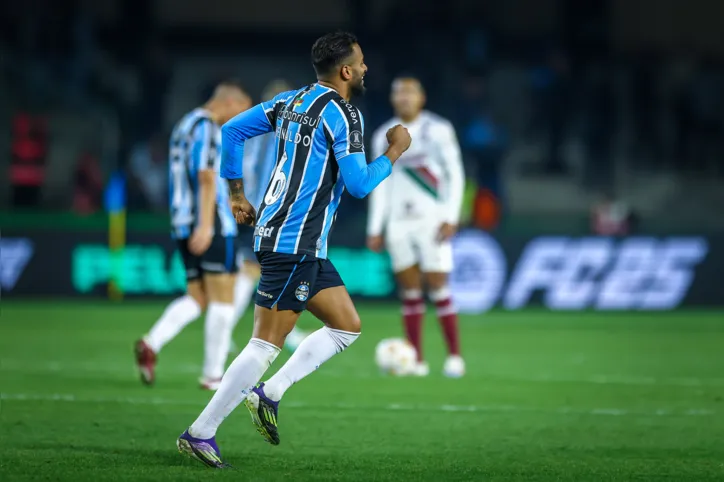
point(523, 107)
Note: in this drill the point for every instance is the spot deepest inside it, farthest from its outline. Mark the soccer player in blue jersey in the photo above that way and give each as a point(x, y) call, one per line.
point(260, 156)
point(205, 231)
point(320, 153)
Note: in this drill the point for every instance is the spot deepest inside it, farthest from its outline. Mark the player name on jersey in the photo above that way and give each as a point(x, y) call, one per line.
point(285, 134)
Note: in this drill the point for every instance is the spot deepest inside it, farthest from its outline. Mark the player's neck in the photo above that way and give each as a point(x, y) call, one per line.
point(341, 89)
point(409, 119)
point(209, 107)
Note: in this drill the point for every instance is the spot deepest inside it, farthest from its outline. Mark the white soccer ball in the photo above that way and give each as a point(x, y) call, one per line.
point(395, 356)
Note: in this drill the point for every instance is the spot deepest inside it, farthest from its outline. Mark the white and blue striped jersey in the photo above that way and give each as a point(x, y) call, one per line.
point(319, 153)
point(195, 145)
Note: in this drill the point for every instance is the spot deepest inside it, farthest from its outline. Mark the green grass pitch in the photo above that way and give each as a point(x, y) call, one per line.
point(548, 397)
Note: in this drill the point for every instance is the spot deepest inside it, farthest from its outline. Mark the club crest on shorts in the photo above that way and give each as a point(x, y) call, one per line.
point(302, 291)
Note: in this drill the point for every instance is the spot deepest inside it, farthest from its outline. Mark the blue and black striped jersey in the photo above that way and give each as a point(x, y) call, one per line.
point(319, 152)
point(195, 145)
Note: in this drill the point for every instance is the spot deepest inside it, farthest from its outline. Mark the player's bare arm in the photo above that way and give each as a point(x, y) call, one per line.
point(455, 173)
point(241, 208)
point(447, 231)
point(201, 237)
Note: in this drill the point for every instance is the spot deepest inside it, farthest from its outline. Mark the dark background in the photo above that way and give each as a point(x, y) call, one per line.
point(563, 108)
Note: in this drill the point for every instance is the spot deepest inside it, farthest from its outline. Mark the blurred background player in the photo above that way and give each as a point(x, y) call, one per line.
point(205, 232)
point(259, 162)
point(428, 184)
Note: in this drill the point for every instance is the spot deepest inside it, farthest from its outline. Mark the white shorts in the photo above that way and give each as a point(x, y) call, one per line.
point(415, 242)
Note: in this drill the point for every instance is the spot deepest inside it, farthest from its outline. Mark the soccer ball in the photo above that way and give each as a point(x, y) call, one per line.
point(395, 356)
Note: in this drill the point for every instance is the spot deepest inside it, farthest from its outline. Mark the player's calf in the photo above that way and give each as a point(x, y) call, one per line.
point(335, 309)
point(413, 312)
point(447, 316)
point(317, 348)
point(218, 326)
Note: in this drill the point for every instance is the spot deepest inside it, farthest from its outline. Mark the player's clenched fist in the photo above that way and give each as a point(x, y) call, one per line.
point(398, 136)
point(399, 140)
point(241, 208)
point(243, 211)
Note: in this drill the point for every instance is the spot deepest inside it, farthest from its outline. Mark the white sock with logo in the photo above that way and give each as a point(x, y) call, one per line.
point(314, 350)
point(243, 373)
point(243, 293)
point(177, 315)
point(217, 338)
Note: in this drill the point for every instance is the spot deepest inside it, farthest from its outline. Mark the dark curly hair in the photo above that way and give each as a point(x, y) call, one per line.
point(330, 50)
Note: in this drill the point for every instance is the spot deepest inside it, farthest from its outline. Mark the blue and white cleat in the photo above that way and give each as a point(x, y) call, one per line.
point(454, 366)
point(264, 413)
point(203, 450)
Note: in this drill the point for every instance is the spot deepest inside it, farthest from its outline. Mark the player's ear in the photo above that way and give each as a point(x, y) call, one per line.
point(346, 72)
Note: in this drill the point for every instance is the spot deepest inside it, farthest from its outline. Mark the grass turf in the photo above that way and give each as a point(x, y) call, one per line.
point(548, 396)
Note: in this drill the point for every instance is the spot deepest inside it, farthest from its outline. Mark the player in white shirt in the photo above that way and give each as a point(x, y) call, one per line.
point(415, 212)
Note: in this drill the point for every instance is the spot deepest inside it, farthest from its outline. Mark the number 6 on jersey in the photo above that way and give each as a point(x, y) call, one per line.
point(278, 183)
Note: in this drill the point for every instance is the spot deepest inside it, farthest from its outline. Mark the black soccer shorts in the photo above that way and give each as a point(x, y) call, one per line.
point(245, 243)
point(219, 258)
point(288, 281)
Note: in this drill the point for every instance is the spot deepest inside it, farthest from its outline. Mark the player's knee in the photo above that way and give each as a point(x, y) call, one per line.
point(411, 294)
point(202, 302)
point(409, 279)
point(355, 325)
point(439, 293)
point(409, 285)
point(351, 324)
point(436, 282)
point(200, 298)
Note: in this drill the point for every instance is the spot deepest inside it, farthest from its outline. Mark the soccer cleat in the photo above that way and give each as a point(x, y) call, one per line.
point(209, 383)
point(203, 450)
point(421, 369)
point(264, 413)
point(146, 362)
point(454, 367)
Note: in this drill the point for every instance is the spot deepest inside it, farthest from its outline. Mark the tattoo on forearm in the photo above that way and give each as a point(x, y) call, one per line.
point(236, 187)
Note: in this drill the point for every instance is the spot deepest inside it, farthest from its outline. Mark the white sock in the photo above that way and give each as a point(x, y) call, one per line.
point(243, 373)
point(243, 292)
point(217, 338)
point(314, 350)
point(177, 315)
